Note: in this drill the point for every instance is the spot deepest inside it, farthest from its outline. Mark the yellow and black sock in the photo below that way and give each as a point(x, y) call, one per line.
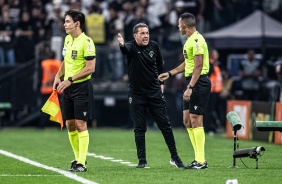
point(83, 146)
point(73, 136)
point(200, 143)
point(192, 138)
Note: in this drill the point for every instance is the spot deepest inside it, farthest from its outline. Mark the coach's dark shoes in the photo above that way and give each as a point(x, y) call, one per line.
point(142, 163)
point(177, 162)
point(197, 165)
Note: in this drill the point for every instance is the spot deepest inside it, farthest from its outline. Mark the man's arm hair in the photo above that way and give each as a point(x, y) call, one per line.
point(179, 69)
point(61, 71)
point(197, 69)
point(87, 70)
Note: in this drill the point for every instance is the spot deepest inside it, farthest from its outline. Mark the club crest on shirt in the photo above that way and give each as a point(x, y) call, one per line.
point(197, 47)
point(130, 99)
point(74, 54)
point(151, 53)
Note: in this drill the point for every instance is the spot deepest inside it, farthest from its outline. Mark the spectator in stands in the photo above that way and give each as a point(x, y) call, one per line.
point(224, 95)
point(48, 70)
point(196, 7)
point(249, 72)
point(2, 3)
point(25, 40)
point(128, 17)
point(38, 23)
point(113, 27)
point(14, 11)
point(77, 5)
point(224, 13)
point(139, 17)
point(174, 38)
point(211, 118)
point(158, 13)
point(7, 40)
point(56, 31)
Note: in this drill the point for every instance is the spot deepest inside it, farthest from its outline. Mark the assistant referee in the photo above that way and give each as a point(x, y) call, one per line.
point(77, 67)
point(196, 96)
point(144, 64)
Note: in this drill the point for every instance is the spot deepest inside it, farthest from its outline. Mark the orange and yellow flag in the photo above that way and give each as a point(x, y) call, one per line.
point(52, 107)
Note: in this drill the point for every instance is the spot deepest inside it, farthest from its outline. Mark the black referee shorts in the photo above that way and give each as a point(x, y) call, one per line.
point(200, 96)
point(77, 101)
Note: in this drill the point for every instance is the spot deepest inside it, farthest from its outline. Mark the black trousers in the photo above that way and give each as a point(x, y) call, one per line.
point(156, 104)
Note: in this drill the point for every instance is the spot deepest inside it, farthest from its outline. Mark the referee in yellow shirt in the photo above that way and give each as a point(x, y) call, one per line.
point(77, 67)
point(196, 96)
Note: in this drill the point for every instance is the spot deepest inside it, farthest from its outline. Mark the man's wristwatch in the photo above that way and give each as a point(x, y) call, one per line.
point(190, 87)
point(70, 79)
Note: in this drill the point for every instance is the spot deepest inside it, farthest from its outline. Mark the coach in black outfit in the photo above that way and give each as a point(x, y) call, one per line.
point(145, 63)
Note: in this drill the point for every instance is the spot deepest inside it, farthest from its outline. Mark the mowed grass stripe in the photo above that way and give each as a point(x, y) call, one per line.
point(51, 147)
point(65, 173)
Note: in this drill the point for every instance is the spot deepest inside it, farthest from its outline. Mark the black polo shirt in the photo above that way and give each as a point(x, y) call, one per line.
point(144, 66)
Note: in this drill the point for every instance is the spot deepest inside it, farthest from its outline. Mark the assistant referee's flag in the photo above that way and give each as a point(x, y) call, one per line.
point(52, 107)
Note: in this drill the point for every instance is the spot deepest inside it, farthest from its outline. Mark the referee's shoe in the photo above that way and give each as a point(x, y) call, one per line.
point(197, 165)
point(176, 161)
point(77, 167)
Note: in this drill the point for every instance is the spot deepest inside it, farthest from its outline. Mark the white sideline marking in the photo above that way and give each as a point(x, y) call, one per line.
point(65, 173)
point(117, 160)
point(111, 159)
point(26, 175)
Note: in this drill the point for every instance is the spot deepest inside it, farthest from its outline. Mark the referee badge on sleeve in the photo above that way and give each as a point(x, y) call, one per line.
point(89, 48)
point(64, 52)
point(74, 54)
point(130, 99)
point(197, 47)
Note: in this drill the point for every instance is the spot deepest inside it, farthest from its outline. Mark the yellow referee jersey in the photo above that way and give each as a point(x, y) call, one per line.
point(195, 45)
point(74, 52)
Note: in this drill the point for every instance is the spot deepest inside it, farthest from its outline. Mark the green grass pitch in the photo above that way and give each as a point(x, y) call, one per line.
point(51, 147)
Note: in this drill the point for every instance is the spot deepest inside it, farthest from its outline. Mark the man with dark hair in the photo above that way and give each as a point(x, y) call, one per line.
point(77, 67)
point(196, 96)
point(144, 90)
point(250, 72)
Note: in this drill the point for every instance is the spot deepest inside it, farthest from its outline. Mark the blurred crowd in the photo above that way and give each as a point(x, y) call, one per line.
point(25, 23)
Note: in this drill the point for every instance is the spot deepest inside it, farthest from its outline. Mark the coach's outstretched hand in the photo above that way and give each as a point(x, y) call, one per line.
point(162, 77)
point(120, 40)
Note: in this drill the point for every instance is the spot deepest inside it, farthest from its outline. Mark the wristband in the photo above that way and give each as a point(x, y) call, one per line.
point(190, 87)
point(169, 74)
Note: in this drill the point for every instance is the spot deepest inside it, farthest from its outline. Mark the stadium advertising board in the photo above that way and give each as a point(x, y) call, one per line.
point(278, 117)
point(242, 108)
